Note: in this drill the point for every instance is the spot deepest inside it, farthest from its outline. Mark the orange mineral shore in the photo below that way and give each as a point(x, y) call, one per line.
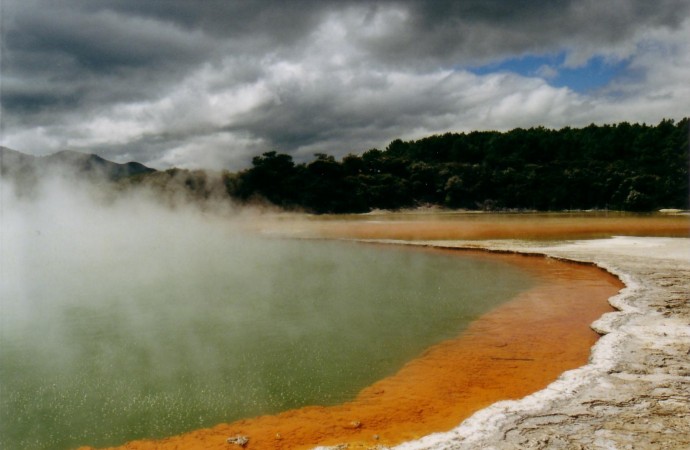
point(514, 350)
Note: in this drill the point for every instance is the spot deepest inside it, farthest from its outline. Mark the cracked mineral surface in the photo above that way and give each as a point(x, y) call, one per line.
point(635, 391)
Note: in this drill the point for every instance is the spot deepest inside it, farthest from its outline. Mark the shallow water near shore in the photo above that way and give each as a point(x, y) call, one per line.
point(163, 340)
point(513, 350)
point(111, 335)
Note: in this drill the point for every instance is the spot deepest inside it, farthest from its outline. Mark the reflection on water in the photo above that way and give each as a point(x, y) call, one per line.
point(473, 225)
point(112, 335)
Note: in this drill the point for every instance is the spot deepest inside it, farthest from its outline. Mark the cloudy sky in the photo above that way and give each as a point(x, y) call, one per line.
point(211, 83)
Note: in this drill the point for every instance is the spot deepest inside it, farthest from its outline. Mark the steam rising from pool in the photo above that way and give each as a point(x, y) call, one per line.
point(122, 318)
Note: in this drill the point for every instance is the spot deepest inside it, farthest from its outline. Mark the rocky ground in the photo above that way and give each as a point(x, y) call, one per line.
point(635, 391)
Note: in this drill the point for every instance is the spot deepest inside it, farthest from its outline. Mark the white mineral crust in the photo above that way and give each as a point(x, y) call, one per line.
point(635, 391)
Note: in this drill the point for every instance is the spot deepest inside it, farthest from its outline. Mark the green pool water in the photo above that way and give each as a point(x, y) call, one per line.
point(146, 330)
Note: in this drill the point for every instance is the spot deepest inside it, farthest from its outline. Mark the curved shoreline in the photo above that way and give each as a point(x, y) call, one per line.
point(633, 393)
point(537, 313)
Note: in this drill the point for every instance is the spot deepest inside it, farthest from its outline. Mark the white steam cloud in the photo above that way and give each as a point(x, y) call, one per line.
point(125, 315)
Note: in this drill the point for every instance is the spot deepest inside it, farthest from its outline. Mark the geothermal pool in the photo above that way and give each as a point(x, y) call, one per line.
point(122, 323)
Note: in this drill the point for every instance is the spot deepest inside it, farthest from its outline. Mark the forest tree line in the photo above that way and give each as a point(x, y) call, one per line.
point(624, 166)
point(627, 167)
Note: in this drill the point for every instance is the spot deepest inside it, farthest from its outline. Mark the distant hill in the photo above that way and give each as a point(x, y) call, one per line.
point(17, 164)
point(13, 161)
point(171, 186)
point(627, 167)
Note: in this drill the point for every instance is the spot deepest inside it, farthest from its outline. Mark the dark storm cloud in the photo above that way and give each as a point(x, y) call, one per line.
point(277, 22)
point(174, 82)
point(62, 51)
point(440, 28)
point(470, 32)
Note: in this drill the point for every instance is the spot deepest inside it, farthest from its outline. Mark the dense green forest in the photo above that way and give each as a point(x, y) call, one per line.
point(628, 167)
point(623, 167)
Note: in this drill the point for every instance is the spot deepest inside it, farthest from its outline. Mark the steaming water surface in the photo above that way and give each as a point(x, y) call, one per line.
point(132, 321)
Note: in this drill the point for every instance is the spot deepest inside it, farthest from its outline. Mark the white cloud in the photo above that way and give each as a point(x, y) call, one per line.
point(656, 85)
point(547, 71)
point(332, 87)
point(219, 150)
point(37, 140)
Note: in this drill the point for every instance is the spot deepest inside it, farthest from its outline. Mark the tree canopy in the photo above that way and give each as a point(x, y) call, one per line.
point(629, 167)
point(624, 167)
